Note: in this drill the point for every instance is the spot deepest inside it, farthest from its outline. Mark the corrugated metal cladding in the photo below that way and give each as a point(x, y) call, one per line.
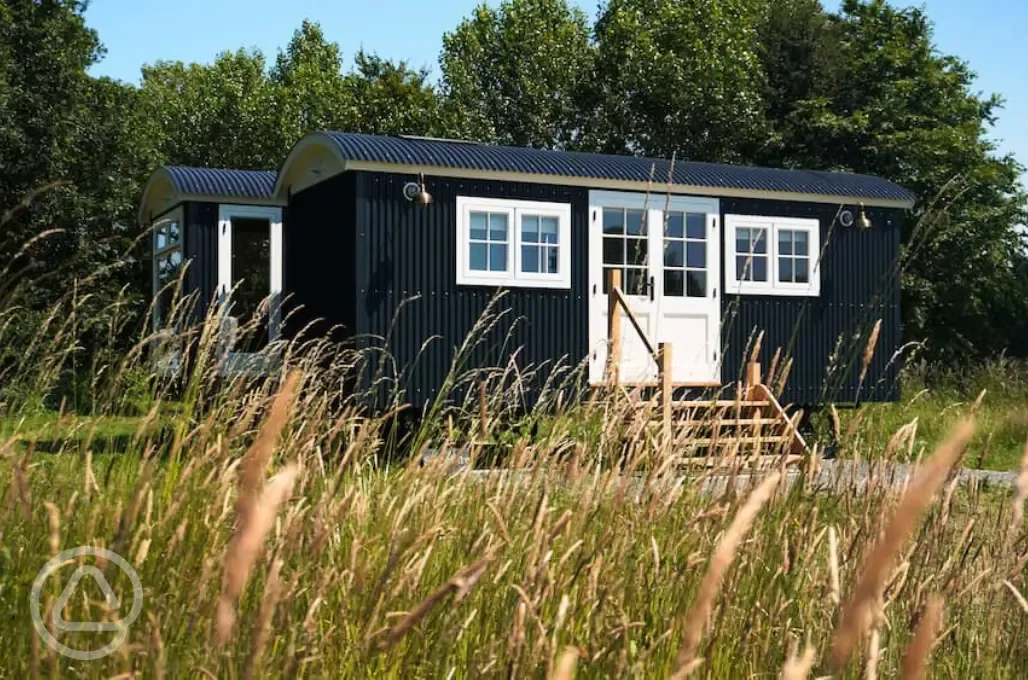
point(439, 153)
point(318, 252)
point(201, 250)
point(405, 250)
point(826, 336)
point(220, 182)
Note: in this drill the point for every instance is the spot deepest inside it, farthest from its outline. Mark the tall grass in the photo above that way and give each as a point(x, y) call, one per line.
point(276, 533)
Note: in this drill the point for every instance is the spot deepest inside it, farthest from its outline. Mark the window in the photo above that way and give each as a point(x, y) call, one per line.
point(685, 254)
point(513, 243)
point(167, 264)
point(626, 247)
point(772, 255)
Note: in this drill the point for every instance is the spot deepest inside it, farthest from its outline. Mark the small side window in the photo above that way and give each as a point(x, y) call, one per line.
point(504, 242)
point(772, 256)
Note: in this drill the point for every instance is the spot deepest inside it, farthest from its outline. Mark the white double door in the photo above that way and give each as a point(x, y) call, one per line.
point(668, 253)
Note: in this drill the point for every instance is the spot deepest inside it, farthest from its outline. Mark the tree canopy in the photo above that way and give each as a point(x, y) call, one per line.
point(771, 82)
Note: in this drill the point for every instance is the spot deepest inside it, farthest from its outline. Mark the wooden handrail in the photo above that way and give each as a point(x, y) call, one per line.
point(623, 303)
point(799, 444)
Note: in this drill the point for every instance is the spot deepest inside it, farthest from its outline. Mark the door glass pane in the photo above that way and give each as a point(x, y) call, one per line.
point(636, 282)
point(635, 223)
point(636, 251)
point(696, 255)
point(673, 253)
point(696, 226)
point(251, 279)
point(674, 227)
point(674, 283)
point(613, 250)
point(696, 284)
point(613, 221)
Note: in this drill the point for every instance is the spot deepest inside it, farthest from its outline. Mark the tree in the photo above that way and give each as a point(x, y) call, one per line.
point(311, 90)
point(223, 115)
point(679, 77)
point(519, 74)
point(386, 97)
point(896, 108)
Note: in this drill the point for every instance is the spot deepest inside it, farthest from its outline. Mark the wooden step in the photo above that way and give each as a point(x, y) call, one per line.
point(707, 441)
point(720, 403)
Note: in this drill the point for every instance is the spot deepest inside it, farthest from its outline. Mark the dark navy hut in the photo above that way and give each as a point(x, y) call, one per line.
point(709, 255)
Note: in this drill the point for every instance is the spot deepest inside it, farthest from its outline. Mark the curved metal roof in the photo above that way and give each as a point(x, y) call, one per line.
point(218, 182)
point(442, 153)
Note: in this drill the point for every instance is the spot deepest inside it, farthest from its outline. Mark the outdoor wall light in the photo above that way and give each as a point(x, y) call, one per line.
point(862, 222)
point(416, 192)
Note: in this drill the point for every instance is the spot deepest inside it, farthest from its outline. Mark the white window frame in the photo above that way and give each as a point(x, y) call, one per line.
point(773, 286)
point(512, 276)
point(159, 226)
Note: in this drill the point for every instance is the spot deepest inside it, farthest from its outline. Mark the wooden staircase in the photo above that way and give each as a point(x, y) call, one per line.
point(754, 423)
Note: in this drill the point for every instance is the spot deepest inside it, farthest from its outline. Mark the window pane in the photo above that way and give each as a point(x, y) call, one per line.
point(497, 258)
point(785, 242)
point(613, 221)
point(477, 257)
point(550, 261)
point(759, 237)
point(696, 284)
point(750, 268)
point(530, 259)
point(802, 266)
point(479, 221)
point(800, 239)
point(673, 253)
point(530, 229)
point(635, 224)
point(674, 283)
point(785, 269)
point(497, 227)
point(636, 251)
point(760, 269)
point(173, 233)
point(636, 282)
point(696, 225)
point(674, 228)
point(696, 254)
point(743, 268)
point(613, 250)
point(161, 239)
point(548, 229)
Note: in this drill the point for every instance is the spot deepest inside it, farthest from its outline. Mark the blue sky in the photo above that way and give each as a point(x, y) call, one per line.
point(990, 34)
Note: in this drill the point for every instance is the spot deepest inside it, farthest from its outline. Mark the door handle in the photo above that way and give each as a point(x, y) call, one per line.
point(651, 289)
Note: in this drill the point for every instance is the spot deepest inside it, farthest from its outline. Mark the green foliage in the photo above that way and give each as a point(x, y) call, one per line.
point(518, 73)
point(679, 77)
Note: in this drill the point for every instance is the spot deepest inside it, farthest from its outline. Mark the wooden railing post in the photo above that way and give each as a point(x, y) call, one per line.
point(666, 388)
point(613, 327)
